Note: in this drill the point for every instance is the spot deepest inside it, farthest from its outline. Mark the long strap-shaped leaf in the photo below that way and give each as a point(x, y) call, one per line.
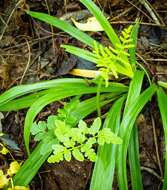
point(23, 102)
point(85, 54)
point(30, 167)
point(103, 172)
point(27, 101)
point(134, 162)
point(127, 123)
point(162, 102)
point(134, 89)
point(63, 25)
point(163, 84)
point(133, 94)
point(132, 50)
point(103, 21)
point(35, 160)
point(21, 90)
point(104, 99)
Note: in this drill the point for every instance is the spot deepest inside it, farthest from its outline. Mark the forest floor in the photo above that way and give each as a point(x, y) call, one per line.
point(30, 52)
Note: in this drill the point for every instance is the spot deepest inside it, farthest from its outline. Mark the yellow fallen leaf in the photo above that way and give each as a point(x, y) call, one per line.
point(85, 73)
point(18, 188)
point(3, 180)
point(3, 149)
point(13, 169)
point(91, 25)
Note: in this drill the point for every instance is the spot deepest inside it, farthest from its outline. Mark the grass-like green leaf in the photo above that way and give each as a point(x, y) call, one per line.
point(103, 173)
point(103, 21)
point(127, 123)
point(23, 102)
point(134, 162)
point(63, 25)
point(132, 50)
point(163, 84)
point(21, 90)
point(85, 54)
point(134, 89)
point(162, 102)
point(110, 98)
point(30, 167)
point(125, 130)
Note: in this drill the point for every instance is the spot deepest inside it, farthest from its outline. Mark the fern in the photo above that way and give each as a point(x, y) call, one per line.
point(78, 142)
point(66, 140)
point(114, 61)
point(44, 130)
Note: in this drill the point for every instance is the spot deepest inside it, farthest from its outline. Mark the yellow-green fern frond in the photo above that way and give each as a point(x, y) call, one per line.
point(115, 61)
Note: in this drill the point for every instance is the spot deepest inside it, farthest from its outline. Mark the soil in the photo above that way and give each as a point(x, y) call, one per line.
point(30, 52)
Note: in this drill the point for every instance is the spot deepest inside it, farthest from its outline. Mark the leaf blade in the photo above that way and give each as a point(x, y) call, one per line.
point(134, 162)
point(162, 100)
point(63, 25)
point(132, 50)
point(102, 20)
point(85, 54)
point(125, 131)
point(103, 172)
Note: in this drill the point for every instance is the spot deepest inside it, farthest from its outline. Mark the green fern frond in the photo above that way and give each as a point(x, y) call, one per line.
point(115, 61)
point(78, 142)
point(126, 36)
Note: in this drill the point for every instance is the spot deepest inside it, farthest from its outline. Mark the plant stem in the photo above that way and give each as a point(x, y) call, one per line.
point(98, 97)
